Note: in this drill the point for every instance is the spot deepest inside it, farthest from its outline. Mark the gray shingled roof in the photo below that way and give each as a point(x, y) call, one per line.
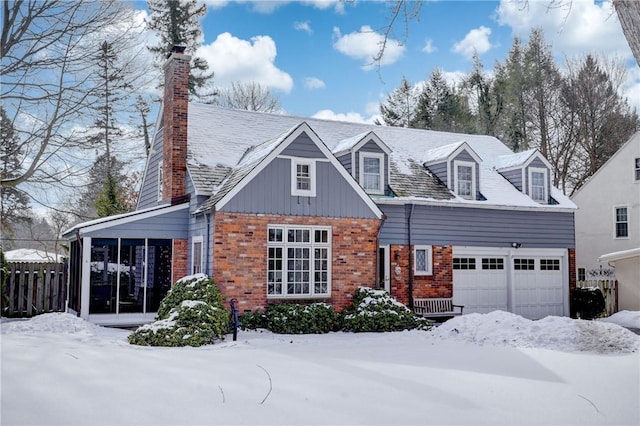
point(219, 138)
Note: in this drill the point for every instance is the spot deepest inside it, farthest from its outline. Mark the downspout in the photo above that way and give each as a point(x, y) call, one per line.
point(378, 260)
point(206, 249)
point(410, 233)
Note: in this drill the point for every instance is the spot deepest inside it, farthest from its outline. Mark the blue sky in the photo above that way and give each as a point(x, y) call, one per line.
point(314, 54)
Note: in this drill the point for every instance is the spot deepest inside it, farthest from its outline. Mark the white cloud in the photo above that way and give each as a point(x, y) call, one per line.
point(338, 5)
point(314, 83)
point(303, 26)
point(216, 4)
point(365, 44)
point(585, 26)
point(233, 59)
point(372, 108)
point(353, 117)
point(429, 47)
point(476, 40)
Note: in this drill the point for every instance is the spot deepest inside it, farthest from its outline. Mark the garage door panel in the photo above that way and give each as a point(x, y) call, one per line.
point(480, 290)
point(539, 292)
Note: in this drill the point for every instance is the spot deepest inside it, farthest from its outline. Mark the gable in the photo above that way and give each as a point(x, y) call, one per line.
point(305, 144)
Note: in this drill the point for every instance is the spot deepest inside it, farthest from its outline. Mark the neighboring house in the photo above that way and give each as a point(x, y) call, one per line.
point(286, 209)
point(608, 223)
point(32, 256)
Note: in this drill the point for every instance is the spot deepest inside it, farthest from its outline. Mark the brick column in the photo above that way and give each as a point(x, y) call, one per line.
point(179, 260)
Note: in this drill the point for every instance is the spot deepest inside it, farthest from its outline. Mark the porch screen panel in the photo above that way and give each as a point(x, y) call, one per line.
point(131, 275)
point(159, 254)
point(75, 275)
point(104, 276)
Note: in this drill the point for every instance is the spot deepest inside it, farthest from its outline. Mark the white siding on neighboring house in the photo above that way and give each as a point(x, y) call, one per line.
point(613, 186)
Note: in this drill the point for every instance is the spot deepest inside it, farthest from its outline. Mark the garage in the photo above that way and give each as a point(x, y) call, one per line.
point(532, 283)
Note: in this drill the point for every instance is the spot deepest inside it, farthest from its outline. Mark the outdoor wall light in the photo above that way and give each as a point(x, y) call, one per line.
point(516, 245)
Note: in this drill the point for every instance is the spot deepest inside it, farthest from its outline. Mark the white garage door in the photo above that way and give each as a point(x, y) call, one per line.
point(480, 283)
point(538, 286)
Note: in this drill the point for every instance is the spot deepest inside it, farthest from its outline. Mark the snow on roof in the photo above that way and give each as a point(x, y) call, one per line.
point(348, 143)
point(32, 256)
point(441, 153)
point(513, 160)
point(222, 137)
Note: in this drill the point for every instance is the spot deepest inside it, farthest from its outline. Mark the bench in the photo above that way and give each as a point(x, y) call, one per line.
point(436, 308)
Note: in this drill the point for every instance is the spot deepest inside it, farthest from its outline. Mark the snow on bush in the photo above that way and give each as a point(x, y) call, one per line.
point(288, 318)
point(558, 333)
point(376, 310)
point(191, 314)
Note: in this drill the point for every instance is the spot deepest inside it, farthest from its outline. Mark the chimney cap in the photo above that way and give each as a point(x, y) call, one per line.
point(177, 48)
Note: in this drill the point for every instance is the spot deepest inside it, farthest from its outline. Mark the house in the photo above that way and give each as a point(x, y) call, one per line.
point(608, 224)
point(287, 209)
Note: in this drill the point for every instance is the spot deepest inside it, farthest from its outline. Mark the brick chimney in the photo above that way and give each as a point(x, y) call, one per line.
point(175, 116)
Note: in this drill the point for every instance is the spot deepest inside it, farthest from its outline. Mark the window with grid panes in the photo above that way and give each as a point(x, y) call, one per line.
point(462, 263)
point(524, 264)
point(298, 261)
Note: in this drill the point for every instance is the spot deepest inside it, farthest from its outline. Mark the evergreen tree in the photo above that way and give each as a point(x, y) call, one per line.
point(107, 190)
point(177, 23)
point(442, 107)
point(488, 98)
point(14, 203)
point(400, 107)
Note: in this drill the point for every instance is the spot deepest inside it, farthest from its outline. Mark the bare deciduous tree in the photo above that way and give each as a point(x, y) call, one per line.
point(250, 96)
point(45, 79)
point(629, 15)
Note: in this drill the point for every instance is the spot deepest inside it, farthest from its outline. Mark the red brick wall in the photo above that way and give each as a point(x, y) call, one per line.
point(174, 142)
point(439, 284)
point(179, 260)
point(240, 256)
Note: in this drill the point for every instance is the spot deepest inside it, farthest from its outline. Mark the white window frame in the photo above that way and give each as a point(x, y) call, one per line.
point(428, 258)
point(311, 192)
point(545, 174)
point(458, 163)
point(195, 240)
point(312, 245)
point(382, 182)
point(615, 222)
point(160, 188)
point(636, 169)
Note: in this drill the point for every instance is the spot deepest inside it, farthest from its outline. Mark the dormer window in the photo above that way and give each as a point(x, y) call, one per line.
point(303, 177)
point(372, 172)
point(465, 179)
point(538, 185)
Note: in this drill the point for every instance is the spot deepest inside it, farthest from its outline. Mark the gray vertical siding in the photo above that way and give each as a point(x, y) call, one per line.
point(149, 189)
point(462, 226)
point(304, 147)
point(270, 192)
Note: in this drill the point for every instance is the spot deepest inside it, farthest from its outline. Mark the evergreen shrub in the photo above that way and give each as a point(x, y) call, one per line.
point(376, 311)
point(191, 314)
point(289, 318)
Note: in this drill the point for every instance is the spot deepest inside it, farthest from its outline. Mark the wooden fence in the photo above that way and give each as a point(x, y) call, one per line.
point(35, 288)
point(609, 290)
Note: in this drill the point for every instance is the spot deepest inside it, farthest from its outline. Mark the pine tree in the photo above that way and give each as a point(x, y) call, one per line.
point(400, 107)
point(512, 128)
point(442, 107)
point(107, 190)
point(177, 23)
point(14, 203)
point(488, 98)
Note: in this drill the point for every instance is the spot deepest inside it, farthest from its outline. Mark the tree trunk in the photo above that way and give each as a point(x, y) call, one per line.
point(629, 16)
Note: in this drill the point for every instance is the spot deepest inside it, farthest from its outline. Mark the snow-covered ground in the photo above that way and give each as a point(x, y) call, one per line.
point(476, 369)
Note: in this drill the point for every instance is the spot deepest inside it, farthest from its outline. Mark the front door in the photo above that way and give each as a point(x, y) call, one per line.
point(384, 268)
